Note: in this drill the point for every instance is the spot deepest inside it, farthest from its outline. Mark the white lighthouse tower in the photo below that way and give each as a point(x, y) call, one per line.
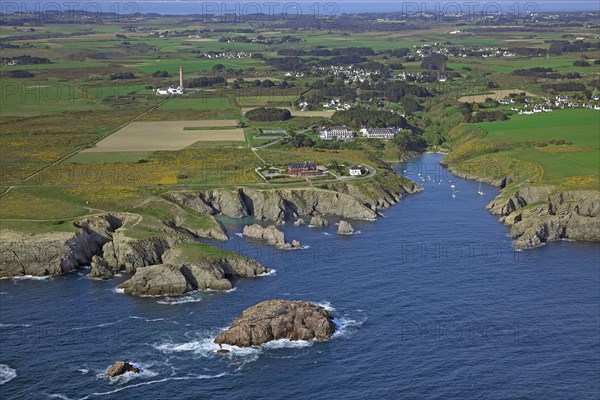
point(181, 77)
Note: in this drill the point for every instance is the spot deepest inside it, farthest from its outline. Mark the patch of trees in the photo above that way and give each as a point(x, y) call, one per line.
point(268, 114)
point(26, 59)
point(287, 63)
point(581, 63)
point(361, 117)
point(564, 87)
point(20, 73)
point(564, 46)
point(205, 81)
point(548, 73)
point(528, 51)
point(161, 74)
point(323, 91)
point(121, 75)
point(435, 61)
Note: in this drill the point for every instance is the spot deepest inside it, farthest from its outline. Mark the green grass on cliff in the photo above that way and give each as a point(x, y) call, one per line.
point(201, 251)
point(559, 148)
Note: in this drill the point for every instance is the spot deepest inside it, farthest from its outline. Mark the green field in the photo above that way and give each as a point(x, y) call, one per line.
point(561, 148)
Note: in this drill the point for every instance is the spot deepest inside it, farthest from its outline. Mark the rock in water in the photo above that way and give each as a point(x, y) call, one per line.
point(345, 228)
point(271, 234)
point(278, 319)
point(157, 280)
point(299, 222)
point(100, 268)
point(120, 367)
point(318, 222)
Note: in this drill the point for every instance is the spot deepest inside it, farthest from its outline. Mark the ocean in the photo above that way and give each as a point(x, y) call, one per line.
point(431, 302)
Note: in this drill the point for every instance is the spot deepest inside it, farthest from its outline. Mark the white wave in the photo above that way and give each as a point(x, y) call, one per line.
point(326, 233)
point(146, 319)
point(83, 370)
point(326, 305)
point(286, 344)
point(58, 396)
point(2, 293)
point(14, 325)
point(240, 234)
point(173, 378)
point(357, 232)
point(272, 272)
point(173, 301)
point(6, 374)
point(118, 290)
point(345, 325)
point(28, 277)
point(305, 247)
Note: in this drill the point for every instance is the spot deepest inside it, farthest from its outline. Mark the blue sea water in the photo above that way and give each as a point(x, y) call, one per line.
point(431, 299)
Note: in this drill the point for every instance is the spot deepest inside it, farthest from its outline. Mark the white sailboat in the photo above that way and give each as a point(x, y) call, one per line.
point(479, 191)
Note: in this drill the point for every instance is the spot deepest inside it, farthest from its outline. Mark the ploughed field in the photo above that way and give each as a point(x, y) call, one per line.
point(168, 135)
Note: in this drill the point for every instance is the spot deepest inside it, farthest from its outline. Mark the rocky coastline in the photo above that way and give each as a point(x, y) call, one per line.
point(140, 238)
point(537, 214)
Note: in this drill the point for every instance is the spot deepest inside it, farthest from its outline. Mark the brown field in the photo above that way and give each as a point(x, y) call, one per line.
point(167, 135)
point(496, 95)
point(296, 113)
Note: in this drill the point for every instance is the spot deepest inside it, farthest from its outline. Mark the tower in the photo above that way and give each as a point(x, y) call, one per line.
point(181, 77)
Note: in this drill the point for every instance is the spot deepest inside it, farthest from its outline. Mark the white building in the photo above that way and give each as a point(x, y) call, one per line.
point(380, 133)
point(355, 171)
point(339, 133)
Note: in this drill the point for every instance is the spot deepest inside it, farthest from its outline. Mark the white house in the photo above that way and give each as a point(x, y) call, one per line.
point(355, 171)
point(380, 133)
point(340, 133)
point(169, 91)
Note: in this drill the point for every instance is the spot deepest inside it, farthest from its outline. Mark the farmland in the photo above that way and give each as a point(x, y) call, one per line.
point(560, 148)
point(90, 116)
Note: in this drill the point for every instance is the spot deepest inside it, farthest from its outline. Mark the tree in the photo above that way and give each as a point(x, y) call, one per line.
point(308, 142)
point(218, 67)
point(435, 61)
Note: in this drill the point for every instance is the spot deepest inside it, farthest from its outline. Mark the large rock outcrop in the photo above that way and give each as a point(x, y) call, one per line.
point(344, 228)
point(55, 253)
point(121, 367)
point(539, 214)
point(318, 221)
point(278, 319)
point(271, 235)
point(191, 267)
point(100, 269)
point(157, 280)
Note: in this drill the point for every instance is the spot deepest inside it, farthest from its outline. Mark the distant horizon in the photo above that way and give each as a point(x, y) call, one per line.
point(188, 7)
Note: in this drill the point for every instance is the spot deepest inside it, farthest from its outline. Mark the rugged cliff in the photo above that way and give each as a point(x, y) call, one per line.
point(119, 241)
point(191, 267)
point(539, 214)
point(354, 200)
point(55, 253)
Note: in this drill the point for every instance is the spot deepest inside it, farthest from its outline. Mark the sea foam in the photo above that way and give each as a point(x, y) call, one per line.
point(7, 374)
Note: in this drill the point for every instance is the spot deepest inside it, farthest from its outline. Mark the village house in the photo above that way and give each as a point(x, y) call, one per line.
point(339, 133)
point(304, 169)
point(355, 171)
point(380, 133)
